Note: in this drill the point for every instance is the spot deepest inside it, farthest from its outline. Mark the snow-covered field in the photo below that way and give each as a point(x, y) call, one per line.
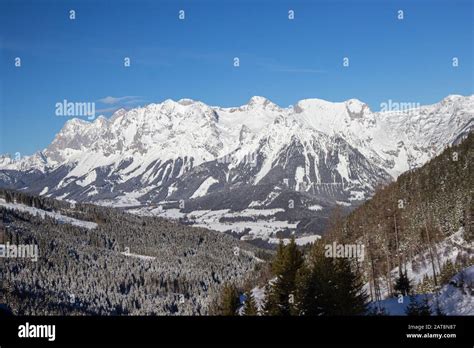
point(263, 224)
point(299, 241)
point(260, 228)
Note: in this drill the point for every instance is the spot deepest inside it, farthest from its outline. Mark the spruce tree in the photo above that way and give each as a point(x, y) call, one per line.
point(307, 288)
point(250, 306)
point(229, 303)
point(351, 298)
point(403, 285)
point(329, 287)
point(280, 294)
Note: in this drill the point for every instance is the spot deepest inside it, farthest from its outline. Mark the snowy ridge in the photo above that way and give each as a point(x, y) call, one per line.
point(236, 158)
point(189, 128)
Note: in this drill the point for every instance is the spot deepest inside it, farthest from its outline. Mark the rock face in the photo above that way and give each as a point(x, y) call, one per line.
point(258, 155)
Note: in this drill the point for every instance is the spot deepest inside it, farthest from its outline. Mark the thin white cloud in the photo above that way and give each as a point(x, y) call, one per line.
point(129, 99)
point(112, 104)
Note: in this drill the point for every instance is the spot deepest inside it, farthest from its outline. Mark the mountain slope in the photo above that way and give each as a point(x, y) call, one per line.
point(95, 260)
point(259, 155)
point(418, 223)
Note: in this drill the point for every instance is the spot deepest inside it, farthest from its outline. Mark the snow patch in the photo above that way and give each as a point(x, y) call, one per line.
point(315, 207)
point(204, 187)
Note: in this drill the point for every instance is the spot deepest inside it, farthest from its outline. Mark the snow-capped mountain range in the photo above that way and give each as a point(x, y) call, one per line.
point(312, 155)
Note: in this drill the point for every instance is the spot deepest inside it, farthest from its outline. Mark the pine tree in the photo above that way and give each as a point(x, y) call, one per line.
point(281, 292)
point(329, 287)
point(229, 303)
point(351, 297)
point(403, 284)
point(250, 306)
point(416, 308)
point(307, 288)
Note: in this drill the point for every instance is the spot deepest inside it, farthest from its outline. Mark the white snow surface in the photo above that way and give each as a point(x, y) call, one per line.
point(303, 240)
point(204, 187)
point(263, 224)
point(185, 129)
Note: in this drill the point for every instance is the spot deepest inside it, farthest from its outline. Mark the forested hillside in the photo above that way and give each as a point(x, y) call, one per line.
point(96, 260)
point(403, 225)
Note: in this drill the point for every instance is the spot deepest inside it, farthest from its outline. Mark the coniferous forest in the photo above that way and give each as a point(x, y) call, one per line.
point(126, 265)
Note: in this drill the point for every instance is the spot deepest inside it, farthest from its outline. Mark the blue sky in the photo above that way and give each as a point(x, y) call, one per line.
point(81, 60)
